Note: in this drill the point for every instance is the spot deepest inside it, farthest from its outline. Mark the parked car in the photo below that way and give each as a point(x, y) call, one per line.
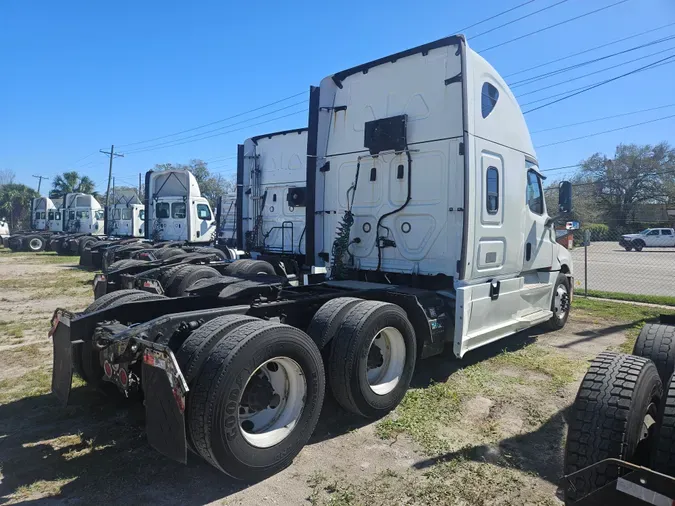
point(649, 238)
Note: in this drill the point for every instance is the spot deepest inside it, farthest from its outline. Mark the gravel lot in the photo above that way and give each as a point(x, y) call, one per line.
point(613, 269)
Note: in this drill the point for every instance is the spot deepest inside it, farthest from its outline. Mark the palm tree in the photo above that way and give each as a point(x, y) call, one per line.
point(15, 200)
point(71, 182)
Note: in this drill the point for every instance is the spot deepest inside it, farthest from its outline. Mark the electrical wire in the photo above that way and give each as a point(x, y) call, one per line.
point(530, 80)
point(552, 26)
point(142, 149)
point(601, 83)
point(517, 19)
point(214, 122)
point(550, 62)
point(561, 168)
point(223, 133)
point(602, 119)
point(605, 132)
point(569, 80)
point(494, 17)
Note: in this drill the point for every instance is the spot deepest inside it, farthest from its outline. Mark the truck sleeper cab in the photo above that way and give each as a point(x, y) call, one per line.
point(427, 215)
point(45, 221)
point(271, 175)
point(176, 210)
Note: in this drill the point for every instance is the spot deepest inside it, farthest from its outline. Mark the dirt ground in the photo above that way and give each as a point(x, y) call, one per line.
point(485, 430)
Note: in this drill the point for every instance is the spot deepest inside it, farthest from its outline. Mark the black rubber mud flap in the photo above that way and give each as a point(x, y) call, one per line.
point(164, 414)
point(62, 373)
point(100, 285)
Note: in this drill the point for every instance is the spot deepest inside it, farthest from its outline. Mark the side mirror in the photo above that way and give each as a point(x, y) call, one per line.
point(565, 197)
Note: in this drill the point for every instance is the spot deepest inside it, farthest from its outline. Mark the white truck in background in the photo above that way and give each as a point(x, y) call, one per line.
point(424, 206)
point(126, 216)
point(175, 209)
point(4, 230)
point(271, 184)
point(649, 238)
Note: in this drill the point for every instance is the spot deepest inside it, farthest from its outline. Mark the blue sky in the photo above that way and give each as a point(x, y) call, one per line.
point(79, 75)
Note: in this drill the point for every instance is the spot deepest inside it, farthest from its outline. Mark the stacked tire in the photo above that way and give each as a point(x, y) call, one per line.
point(624, 409)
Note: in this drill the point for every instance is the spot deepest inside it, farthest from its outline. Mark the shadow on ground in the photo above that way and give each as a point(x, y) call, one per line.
point(111, 461)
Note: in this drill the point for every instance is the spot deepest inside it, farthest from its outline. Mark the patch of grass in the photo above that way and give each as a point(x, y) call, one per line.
point(616, 310)
point(663, 300)
point(426, 414)
point(559, 368)
point(17, 330)
point(448, 483)
point(33, 383)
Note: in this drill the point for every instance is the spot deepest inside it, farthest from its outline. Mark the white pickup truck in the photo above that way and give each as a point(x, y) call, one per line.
point(649, 238)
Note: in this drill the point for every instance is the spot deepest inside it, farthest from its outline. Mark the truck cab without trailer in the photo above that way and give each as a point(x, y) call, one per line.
point(426, 210)
point(271, 181)
point(45, 222)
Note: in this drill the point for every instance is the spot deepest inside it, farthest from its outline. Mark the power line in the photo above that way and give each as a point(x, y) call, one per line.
point(601, 83)
point(216, 129)
point(569, 80)
point(561, 168)
point(605, 132)
point(518, 19)
point(550, 62)
point(603, 118)
point(553, 26)
point(215, 122)
point(529, 80)
point(493, 17)
point(222, 133)
point(582, 87)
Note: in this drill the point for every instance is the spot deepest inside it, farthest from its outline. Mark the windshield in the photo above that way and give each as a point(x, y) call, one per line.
point(98, 215)
point(644, 232)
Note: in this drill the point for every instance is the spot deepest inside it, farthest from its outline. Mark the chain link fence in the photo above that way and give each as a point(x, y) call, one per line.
point(638, 260)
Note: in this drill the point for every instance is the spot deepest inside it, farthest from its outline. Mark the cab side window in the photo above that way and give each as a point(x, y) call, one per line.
point(203, 212)
point(666, 231)
point(162, 210)
point(653, 232)
point(535, 194)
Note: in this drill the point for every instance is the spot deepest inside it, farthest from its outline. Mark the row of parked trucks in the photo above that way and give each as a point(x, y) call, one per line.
point(407, 218)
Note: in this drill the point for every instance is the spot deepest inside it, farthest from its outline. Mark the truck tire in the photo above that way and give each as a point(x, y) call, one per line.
point(173, 273)
point(261, 373)
point(628, 248)
point(85, 357)
point(372, 358)
point(639, 244)
point(250, 267)
point(84, 242)
point(167, 274)
point(122, 264)
point(15, 243)
point(215, 251)
point(189, 277)
point(328, 318)
point(164, 253)
point(34, 243)
point(657, 343)
point(617, 395)
point(663, 448)
point(560, 303)
point(194, 351)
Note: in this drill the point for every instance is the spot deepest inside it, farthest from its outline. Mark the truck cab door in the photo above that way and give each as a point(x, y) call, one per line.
point(539, 239)
point(653, 238)
point(205, 225)
point(667, 237)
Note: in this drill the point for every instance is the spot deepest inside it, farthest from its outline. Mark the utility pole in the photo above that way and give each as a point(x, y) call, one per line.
point(40, 178)
point(139, 186)
point(112, 155)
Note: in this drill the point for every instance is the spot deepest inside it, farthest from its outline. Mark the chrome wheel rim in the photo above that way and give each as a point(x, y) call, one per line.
point(561, 302)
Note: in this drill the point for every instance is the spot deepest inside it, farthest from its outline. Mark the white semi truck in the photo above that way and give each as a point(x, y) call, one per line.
point(424, 209)
point(175, 209)
point(271, 181)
